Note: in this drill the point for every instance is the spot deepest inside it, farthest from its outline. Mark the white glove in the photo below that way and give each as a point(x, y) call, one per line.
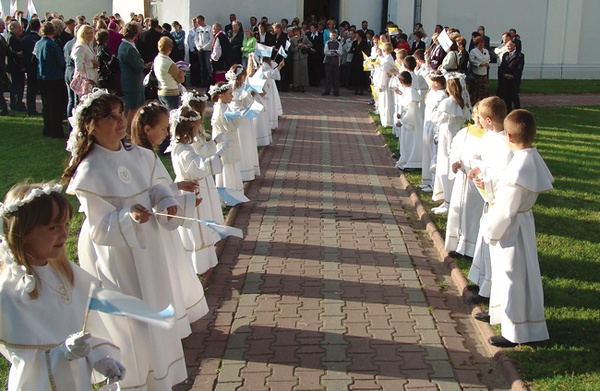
point(76, 346)
point(224, 147)
point(219, 137)
point(110, 368)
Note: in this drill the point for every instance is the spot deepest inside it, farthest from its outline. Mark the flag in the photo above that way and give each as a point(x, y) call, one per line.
point(229, 115)
point(252, 110)
point(223, 230)
point(282, 52)
point(231, 197)
point(263, 50)
point(13, 8)
point(287, 45)
point(444, 40)
point(30, 9)
point(392, 31)
point(256, 82)
point(120, 304)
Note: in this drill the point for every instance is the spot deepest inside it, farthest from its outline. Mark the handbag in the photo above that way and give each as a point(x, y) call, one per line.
point(81, 85)
point(150, 80)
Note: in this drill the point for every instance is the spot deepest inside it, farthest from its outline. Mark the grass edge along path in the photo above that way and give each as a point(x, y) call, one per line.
point(567, 223)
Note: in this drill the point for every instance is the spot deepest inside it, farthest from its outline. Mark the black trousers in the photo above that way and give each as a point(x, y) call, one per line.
point(32, 91)
point(54, 99)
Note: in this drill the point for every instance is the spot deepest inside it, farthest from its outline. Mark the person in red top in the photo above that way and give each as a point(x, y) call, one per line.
point(403, 43)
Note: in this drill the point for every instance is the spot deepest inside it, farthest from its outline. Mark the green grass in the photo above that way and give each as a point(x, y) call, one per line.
point(549, 86)
point(568, 233)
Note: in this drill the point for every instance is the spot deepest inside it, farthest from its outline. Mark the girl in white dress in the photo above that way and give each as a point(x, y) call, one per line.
point(149, 129)
point(225, 131)
point(205, 147)
point(262, 122)
point(451, 114)
point(246, 133)
point(198, 240)
point(381, 81)
point(119, 187)
point(44, 299)
point(437, 93)
point(271, 71)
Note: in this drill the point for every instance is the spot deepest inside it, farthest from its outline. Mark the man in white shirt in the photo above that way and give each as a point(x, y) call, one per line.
point(203, 40)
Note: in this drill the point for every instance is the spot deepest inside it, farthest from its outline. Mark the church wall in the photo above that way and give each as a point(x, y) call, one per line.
point(68, 8)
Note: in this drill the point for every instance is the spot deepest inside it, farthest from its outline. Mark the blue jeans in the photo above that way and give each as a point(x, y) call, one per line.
point(170, 102)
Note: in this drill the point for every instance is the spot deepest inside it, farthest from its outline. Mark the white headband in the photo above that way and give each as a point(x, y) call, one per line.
point(233, 75)
point(36, 192)
point(214, 89)
point(86, 101)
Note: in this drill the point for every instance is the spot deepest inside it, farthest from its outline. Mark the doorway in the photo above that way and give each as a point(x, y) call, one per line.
point(322, 9)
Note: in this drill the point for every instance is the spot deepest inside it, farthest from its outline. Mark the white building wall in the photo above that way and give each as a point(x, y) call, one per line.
point(125, 7)
point(67, 8)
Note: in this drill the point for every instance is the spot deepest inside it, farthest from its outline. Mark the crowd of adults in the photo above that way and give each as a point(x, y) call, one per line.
point(47, 54)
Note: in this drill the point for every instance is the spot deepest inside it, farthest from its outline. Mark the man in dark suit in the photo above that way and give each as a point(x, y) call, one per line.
point(417, 42)
point(29, 41)
point(515, 38)
point(16, 66)
point(229, 28)
point(147, 41)
point(509, 76)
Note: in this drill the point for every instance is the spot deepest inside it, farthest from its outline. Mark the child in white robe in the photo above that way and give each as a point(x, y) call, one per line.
point(231, 176)
point(411, 123)
point(149, 128)
point(44, 299)
point(381, 82)
point(262, 122)
point(491, 159)
point(271, 71)
point(466, 205)
point(241, 100)
point(198, 240)
point(437, 93)
point(205, 147)
point(118, 187)
point(451, 114)
point(517, 300)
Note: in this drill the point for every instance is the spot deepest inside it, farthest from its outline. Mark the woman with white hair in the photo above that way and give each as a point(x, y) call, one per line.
point(84, 56)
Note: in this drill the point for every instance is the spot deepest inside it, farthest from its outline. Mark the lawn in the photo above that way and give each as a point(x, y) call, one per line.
point(568, 236)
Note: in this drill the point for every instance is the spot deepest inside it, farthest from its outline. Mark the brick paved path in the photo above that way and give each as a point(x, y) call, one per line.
point(335, 286)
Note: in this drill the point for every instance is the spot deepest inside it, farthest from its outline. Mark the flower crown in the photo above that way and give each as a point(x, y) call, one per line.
point(215, 89)
point(149, 106)
point(189, 96)
point(86, 101)
point(36, 192)
point(233, 75)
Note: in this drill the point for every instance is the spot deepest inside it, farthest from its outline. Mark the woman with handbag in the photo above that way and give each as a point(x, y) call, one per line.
point(299, 48)
point(86, 65)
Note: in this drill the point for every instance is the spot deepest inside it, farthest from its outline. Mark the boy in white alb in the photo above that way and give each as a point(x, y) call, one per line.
point(517, 300)
point(494, 155)
point(411, 123)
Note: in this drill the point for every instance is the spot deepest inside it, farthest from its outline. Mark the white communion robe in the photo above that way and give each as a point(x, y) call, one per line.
point(494, 156)
point(411, 146)
point(262, 124)
point(272, 98)
point(517, 299)
point(231, 175)
point(449, 117)
point(198, 240)
point(381, 81)
point(183, 273)
point(132, 257)
point(32, 329)
point(466, 205)
point(246, 134)
point(429, 155)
